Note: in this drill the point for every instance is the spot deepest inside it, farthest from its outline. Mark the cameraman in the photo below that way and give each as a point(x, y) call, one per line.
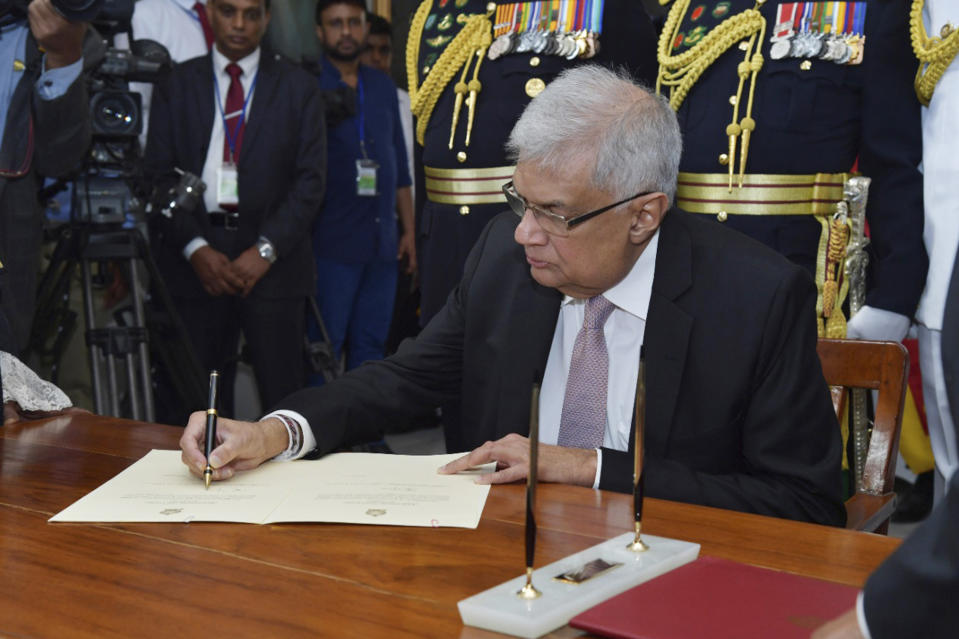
point(45, 131)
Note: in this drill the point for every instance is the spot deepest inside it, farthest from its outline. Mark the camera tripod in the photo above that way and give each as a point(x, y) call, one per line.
point(119, 356)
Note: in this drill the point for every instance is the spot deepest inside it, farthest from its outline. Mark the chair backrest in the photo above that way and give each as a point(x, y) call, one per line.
point(880, 366)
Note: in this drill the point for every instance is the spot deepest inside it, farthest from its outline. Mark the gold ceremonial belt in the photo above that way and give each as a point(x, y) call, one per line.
point(467, 186)
point(760, 194)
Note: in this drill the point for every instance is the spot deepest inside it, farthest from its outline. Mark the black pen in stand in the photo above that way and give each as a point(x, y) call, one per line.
point(210, 427)
point(529, 591)
point(639, 472)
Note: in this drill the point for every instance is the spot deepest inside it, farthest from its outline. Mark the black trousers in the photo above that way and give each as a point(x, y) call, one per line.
point(274, 331)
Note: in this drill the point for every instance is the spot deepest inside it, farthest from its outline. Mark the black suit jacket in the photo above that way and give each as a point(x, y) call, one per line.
point(282, 171)
point(915, 592)
point(738, 414)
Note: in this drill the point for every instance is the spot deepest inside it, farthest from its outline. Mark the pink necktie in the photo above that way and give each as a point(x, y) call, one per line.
point(583, 422)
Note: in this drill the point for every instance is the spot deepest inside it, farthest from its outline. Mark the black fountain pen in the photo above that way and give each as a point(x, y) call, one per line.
point(210, 428)
point(639, 443)
point(529, 591)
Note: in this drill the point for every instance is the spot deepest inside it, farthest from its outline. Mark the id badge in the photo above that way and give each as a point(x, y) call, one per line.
point(227, 185)
point(366, 177)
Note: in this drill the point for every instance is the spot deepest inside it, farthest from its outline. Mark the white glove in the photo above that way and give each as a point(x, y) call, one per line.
point(877, 324)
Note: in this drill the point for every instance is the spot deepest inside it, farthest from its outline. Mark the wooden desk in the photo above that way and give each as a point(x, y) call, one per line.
point(238, 580)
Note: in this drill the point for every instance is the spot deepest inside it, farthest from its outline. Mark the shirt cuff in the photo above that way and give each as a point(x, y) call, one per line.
point(861, 616)
point(192, 246)
point(599, 467)
point(54, 83)
point(309, 440)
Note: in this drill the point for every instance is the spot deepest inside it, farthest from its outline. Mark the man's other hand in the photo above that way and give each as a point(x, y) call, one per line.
point(248, 269)
point(558, 464)
point(60, 40)
point(407, 248)
point(213, 269)
point(239, 445)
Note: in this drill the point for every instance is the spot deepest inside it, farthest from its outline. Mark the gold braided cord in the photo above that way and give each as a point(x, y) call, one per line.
point(413, 46)
point(830, 281)
point(680, 72)
point(458, 52)
point(935, 54)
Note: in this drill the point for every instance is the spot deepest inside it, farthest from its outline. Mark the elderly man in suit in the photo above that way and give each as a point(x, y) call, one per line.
point(251, 125)
point(592, 264)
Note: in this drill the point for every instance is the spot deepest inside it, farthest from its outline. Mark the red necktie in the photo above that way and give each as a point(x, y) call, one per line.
point(232, 114)
point(204, 23)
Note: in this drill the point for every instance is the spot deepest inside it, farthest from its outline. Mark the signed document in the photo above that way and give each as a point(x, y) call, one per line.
point(356, 488)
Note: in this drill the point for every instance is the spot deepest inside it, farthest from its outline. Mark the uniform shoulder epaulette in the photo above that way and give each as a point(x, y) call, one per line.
point(935, 54)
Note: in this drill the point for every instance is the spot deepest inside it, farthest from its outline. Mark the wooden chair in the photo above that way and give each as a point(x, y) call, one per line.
point(880, 366)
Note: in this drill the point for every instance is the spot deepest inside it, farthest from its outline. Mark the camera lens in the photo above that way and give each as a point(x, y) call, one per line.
point(116, 113)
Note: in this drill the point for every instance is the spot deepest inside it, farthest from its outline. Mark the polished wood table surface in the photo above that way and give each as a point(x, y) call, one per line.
point(240, 580)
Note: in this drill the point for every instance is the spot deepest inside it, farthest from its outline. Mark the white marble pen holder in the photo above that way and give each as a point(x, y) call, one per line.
point(501, 610)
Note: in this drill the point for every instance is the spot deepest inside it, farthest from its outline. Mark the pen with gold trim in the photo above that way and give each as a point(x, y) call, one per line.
point(210, 427)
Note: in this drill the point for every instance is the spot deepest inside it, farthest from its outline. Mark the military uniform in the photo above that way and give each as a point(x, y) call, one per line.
point(802, 91)
point(458, 187)
point(939, 88)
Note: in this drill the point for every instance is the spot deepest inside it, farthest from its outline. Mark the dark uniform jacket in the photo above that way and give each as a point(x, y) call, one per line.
point(738, 415)
point(445, 236)
point(820, 119)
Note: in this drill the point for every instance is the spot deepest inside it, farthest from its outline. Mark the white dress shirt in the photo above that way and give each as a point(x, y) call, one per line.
point(624, 335)
point(623, 331)
point(214, 153)
point(175, 25)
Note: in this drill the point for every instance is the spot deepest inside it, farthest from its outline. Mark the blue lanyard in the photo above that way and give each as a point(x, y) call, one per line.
point(360, 119)
point(190, 12)
point(230, 140)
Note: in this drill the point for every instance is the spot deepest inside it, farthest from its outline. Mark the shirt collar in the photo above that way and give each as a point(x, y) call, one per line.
point(249, 64)
point(187, 5)
point(632, 293)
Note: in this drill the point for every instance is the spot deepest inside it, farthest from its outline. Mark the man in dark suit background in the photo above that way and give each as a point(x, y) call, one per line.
point(738, 415)
point(242, 260)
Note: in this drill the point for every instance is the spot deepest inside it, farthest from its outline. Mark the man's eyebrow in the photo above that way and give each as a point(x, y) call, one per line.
point(554, 204)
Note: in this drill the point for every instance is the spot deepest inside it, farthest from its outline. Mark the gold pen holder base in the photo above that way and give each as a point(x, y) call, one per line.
point(638, 545)
point(528, 592)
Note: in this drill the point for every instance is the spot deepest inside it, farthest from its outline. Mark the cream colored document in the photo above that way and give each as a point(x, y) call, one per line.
point(358, 488)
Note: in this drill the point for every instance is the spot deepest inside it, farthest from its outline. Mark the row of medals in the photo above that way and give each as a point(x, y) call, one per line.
point(833, 47)
point(575, 44)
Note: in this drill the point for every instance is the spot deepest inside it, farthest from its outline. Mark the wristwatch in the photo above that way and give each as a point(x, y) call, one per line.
point(265, 248)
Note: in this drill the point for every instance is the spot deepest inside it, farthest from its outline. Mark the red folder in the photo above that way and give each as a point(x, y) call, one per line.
point(719, 599)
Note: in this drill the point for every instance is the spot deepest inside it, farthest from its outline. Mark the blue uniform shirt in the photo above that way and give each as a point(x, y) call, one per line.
point(51, 85)
point(352, 228)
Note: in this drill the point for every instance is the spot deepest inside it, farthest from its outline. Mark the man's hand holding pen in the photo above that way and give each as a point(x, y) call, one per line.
point(239, 445)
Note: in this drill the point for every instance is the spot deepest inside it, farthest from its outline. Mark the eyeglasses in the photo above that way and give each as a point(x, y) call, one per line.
point(553, 223)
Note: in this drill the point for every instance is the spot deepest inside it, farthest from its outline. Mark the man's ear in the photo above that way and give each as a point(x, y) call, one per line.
point(319, 33)
point(647, 214)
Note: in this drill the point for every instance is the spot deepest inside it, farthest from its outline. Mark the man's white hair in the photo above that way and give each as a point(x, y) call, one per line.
point(592, 117)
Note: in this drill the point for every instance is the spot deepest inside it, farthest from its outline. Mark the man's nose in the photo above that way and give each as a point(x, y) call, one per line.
point(529, 232)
